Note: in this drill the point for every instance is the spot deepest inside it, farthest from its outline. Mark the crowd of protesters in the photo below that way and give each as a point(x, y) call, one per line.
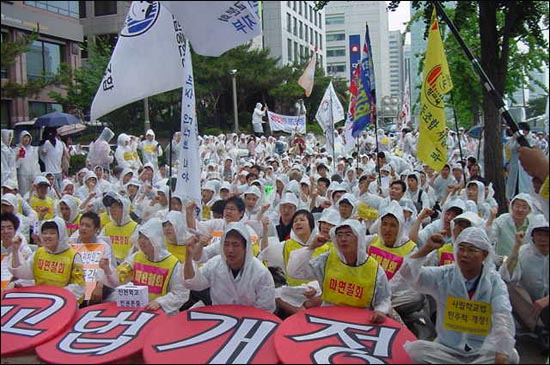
point(288, 223)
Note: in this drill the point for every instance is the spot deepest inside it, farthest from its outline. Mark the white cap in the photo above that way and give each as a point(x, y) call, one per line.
point(10, 184)
point(289, 198)
point(41, 180)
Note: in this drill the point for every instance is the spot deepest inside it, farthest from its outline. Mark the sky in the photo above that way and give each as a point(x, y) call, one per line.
point(398, 17)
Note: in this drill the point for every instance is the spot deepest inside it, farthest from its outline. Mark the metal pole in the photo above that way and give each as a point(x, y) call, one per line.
point(170, 173)
point(235, 114)
point(496, 98)
point(147, 123)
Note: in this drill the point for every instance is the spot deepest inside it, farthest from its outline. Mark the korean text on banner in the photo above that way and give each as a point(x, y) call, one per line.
point(188, 184)
point(308, 77)
point(287, 123)
point(365, 106)
point(147, 59)
point(214, 27)
point(436, 82)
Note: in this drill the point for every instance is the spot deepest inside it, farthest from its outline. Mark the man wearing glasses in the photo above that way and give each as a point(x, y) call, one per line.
point(474, 314)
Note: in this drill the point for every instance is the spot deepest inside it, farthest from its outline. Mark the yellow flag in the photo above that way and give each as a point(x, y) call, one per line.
point(436, 82)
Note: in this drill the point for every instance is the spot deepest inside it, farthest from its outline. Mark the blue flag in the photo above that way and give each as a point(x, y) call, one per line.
point(365, 107)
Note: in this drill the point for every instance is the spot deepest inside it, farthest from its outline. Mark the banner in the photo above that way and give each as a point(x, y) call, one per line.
point(147, 59)
point(436, 81)
point(308, 77)
point(405, 116)
point(90, 253)
point(330, 110)
point(188, 184)
point(287, 123)
point(365, 107)
point(214, 27)
point(354, 53)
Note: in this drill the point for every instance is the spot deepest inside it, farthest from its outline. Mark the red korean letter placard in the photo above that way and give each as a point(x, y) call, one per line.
point(218, 334)
point(33, 315)
point(102, 334)
point(341, 335)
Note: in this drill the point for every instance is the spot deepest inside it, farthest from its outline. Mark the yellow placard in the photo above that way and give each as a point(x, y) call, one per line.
point(469, 316)
point(366, 212)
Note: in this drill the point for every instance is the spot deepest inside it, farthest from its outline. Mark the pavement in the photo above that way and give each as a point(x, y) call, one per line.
point(530, 351)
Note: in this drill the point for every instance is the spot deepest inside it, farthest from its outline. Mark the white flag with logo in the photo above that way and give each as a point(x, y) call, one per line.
point(214, 27)
point(188, 184)
point(147, 59)
point(330, 110)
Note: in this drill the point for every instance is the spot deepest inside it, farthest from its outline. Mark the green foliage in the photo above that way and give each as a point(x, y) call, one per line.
point(76, 163)
point(82, 84)
point(537, 106)
point(11, 49)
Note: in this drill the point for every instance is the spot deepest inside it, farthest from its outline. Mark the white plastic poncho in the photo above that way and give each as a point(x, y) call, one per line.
point(444, 281)
point(253, 286)
point(301, 266)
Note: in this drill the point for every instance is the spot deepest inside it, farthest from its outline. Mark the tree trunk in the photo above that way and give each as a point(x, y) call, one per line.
point(493, 153)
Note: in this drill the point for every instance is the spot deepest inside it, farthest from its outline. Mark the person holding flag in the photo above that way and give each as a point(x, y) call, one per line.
point(436, 82)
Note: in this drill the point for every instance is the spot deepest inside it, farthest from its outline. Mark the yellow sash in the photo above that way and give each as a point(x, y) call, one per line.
point(120, 238)
point(291, 245)
point(390, 258)
point(349, 285)
point(156, 275)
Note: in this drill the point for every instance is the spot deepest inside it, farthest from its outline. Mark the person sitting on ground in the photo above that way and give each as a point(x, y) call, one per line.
point(349, 264)
point(474, 316)
point(166, 292)
point(235, 276)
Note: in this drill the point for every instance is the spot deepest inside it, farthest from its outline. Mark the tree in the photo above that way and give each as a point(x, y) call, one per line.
point(81, 84)
point(537, 106)
point(503, 26)
point(11, 50)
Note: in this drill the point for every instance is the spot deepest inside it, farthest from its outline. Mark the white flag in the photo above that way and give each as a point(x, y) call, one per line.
point(405, 116)
point(330, 110)
point(308, 77)
point(214, 27)
point(188, 184)
point(147, 59)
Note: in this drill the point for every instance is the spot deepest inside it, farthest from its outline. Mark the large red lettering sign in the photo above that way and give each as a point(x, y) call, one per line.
point(101, 334)
point(219, 334)
point(340, 335)
point(33, 315)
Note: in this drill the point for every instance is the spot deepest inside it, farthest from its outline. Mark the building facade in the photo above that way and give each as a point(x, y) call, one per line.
point(345, 36)
point(60, 36)
point(292, 30)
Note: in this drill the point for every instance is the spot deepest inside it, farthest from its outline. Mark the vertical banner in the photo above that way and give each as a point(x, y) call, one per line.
point(365, 107)
point(436, 82)
point(354, 53)
point(188, 184)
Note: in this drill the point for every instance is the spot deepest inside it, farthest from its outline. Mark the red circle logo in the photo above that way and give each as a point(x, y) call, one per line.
point(341, 335)
point(218, 334)
point(33, 315)
point(101, 334)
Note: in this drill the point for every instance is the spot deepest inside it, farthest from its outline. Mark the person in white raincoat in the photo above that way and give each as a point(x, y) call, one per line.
point(152, 255)
point(151, 149)
point(474, 315)
point(27, 162)
point(257, 119)
point(235, 276)
point(349, 263)
point(526, 274)
point(8, 156)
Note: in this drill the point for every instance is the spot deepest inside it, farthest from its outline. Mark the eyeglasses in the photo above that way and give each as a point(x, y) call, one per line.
point(469, 249)
point(231, 209)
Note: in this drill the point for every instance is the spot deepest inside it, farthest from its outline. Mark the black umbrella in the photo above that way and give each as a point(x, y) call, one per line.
point(56, 119)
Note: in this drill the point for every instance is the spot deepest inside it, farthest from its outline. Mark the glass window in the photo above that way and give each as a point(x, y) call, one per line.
point(289, 4)
point(339, 19)
point(4, 71)
point(320, 22)
point(295, 32)
point(306, 33)
point(300, 7)
point(301, 30)
point(289, 49)
point(82, 9)
point(37, 109)
point(336, 37)
point(336, 67)
point(294, 5)
point(43, 58)
point(336, 52)
point(68, 8)
point(104, 8)
point(296, 54)
point(288, 23)
point(310, 14)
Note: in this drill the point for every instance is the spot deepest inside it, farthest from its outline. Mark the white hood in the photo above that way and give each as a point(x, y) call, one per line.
point(62, 244)
point(395, 210)
point(359, 230)
point(152, 229)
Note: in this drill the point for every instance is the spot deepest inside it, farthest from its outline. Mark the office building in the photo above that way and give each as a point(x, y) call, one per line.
point(60, 35)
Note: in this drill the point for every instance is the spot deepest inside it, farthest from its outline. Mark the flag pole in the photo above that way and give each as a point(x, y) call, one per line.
point(170, 172)
point(459, 144)
point(496, 98)
point(332, 131)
